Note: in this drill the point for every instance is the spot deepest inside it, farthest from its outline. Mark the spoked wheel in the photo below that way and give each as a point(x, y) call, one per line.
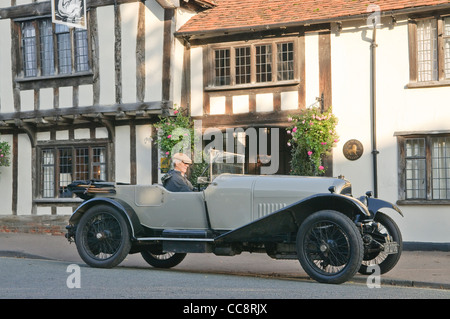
point(102, 237)
point(159, 259)
point(329, 247)
point(386, 233)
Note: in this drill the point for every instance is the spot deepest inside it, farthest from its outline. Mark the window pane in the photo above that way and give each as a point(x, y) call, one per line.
point(64, 49)
point(65, 171)
point(415, 168)
point(29, 49)
point(81, 50)
point(48, 171)
point(99, 163)
point(285, 63)
point(243, 65)
point(47, 55)
point(263, 63)
point(440, 158)
point(427, 50)
point(415, 147)
point(447, 47)
point(82, 163)
point(222, 67)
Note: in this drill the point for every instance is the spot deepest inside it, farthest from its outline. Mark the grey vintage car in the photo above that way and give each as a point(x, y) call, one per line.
point(313, 219)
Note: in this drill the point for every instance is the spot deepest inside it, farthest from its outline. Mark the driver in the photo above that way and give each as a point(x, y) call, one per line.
point(175, 180)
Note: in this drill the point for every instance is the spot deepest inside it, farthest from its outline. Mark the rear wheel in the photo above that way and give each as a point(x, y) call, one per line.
point(329, 247)
point(103, 237)
point(159, 259)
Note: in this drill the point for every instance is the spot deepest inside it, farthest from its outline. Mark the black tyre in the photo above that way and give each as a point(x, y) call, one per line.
point(157, 258)
point(103, 237)
point(329, 247)
point(388, 231)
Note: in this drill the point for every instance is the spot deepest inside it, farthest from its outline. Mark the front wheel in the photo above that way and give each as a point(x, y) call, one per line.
point(329, 247)
point(103, 237)
point(387, 232)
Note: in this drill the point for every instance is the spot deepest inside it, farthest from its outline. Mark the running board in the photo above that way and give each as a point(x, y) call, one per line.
point(175, 239)
point(184, 241)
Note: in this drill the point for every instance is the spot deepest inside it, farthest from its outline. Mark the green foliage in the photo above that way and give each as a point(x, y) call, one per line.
point(5, 151)
point(313, 135)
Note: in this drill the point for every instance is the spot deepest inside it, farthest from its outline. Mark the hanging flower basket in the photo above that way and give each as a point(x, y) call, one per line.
point(313, 135)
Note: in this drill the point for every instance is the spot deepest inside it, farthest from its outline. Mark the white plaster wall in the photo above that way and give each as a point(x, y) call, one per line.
point(182, 16)
point(154, 36)
point(122, 154)
point(46, 99)
point(264, 102)
point(312, 67)
point(289, 100)
point(241, 104)
point(196, 81)
point(398, 109)
point(65, 96)
point(27, 100)
point(82, 133)
point(62, 135)
point(24, 185)
point(85, 95)
point(6, 92)
point(101, 132)
point(217, 105)
point(106, 39)
point(129, 15)
point(144, 154)
point(350, 61)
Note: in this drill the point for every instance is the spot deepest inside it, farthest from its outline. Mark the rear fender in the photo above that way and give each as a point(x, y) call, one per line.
point(125, 209)
point(289, 218)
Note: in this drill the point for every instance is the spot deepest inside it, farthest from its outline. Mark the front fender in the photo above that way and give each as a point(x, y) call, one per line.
point(375, 204)
point(123, 207)
point(289, 218)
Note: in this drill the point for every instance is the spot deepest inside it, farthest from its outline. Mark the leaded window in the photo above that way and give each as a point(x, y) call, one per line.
point(63, 164)
point(53, 49)
point(425, 167)
point(256, 63)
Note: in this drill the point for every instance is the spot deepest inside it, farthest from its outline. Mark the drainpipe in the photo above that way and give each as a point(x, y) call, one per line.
point(375, 152)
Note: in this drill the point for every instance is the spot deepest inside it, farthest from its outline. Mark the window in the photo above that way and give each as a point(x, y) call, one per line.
point(285, 62)
point(222, 67)
point(430, 50)
point(53, 49)
point(254, 63)
point(243, 65)
point(263, 63)
point(425, 167)
point(62, 165)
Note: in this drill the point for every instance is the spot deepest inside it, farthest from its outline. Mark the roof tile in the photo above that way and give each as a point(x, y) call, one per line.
point(232, 14)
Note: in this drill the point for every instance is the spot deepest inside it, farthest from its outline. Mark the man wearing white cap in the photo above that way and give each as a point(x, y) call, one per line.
point(175, 180)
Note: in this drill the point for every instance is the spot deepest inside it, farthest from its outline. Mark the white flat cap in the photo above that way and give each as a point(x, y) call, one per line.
point(182, 157)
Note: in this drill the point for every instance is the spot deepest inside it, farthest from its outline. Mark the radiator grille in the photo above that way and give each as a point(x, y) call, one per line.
point(265, 209)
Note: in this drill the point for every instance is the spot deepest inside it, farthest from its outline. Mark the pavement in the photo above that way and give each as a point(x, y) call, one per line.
point(423, 269)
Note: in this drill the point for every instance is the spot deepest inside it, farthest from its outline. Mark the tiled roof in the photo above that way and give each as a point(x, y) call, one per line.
point(237, 14)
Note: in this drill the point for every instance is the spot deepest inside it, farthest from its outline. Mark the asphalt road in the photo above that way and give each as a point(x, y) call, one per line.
point(48, 279)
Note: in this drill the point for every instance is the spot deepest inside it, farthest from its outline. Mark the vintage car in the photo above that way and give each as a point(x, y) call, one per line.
point(313, 219)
